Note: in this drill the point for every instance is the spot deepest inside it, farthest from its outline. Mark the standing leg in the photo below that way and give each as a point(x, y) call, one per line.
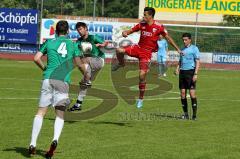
point(159, 60)
point(142, 83)
point(194, 103)
point(144, 68)
point(58, 126)
point(164, 61)
point(184, 103)
point(37, 125)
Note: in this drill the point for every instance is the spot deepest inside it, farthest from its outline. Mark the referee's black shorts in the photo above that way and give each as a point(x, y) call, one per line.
point(186, 79)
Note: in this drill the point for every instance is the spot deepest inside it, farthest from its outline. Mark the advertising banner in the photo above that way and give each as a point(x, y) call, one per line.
point(226, 58)
point(18, 26)
point(107, 30)
point(229, 7)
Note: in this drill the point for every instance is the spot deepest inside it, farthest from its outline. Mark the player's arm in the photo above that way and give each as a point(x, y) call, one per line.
point(127, 32)
point(171, 41)
point(130, 31)
point(105, 43)
point(38, 61)
point(197, 63)
point(38, 56)
point(197, 66)
point(99, 42)
point(177, 69)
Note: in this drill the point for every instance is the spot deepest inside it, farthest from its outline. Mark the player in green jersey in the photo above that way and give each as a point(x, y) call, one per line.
point(61, 54)
point(93, 57)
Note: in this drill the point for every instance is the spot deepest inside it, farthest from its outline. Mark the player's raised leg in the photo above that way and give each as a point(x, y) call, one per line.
point(120, 52)
point(84, 84)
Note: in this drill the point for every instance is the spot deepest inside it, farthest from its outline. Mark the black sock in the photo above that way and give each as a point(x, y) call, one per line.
point(79, 102)
point(185, 106)
point(194, 106)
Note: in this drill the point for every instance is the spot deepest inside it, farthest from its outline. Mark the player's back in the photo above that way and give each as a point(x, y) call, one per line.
point(60, 52)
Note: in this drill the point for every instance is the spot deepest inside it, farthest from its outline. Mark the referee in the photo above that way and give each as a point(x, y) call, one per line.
point(188, 73)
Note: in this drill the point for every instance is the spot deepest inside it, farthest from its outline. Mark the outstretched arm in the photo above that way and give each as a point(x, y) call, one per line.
point(171, 41)
point(105, 43)
point(127, 32)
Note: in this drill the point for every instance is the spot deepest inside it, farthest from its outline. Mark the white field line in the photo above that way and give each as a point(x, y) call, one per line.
point(147, 99)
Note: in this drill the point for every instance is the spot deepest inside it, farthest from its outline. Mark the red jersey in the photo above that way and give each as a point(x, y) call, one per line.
point(149, 34)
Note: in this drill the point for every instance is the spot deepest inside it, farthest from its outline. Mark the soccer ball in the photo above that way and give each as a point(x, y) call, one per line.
point(86, 47)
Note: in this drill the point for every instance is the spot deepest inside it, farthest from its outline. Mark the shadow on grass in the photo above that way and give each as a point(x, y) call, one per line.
point(24, 151)
point(98, 122)
point(70, 122)
point(111, 123)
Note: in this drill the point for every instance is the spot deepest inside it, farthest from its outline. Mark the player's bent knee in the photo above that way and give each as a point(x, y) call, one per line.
point(42, 111)
point(62, 105)
point(183, 94)
point(120, 50)
point(61, 108)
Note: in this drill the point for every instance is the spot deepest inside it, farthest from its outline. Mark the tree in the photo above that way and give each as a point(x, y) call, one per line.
point(112, 8)
point(13, 4)
point(231, 20)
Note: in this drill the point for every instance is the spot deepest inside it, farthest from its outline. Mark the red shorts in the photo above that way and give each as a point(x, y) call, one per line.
point(143, 55)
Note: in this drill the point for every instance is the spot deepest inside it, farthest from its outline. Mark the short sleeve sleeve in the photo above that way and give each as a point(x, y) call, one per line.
point(136, 28)
point(163, 30)
point(77, 51)
point(196, 53)
point(98, 39)
point(43, 48)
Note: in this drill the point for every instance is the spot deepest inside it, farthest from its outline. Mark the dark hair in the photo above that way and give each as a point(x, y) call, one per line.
point(62, 27)
point(81, 24)
point(187, 35)
point(150, 10)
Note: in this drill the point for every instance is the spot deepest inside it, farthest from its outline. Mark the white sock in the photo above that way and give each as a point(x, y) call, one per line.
point(82, 94)
point(37, 125)
point(58, 126)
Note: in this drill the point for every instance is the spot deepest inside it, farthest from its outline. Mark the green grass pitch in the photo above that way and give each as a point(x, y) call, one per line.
point(215, 135)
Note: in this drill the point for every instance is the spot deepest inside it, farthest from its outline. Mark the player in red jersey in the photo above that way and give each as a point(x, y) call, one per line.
point(150, 31)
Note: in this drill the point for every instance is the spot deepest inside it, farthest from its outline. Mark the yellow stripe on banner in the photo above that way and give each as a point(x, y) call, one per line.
point(230, 7)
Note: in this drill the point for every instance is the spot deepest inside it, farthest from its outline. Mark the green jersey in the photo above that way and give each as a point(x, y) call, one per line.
point(60, 53)
point(95, 51)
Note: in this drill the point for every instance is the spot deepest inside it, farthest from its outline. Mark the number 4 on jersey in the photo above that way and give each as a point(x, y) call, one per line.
point(62, 49)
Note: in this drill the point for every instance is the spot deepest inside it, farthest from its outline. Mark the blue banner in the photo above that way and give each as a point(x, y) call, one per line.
point(226, 58)
point(18, 25)
point(18, 48)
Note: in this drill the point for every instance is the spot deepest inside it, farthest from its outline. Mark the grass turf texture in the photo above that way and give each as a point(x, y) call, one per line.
point(214, 135)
